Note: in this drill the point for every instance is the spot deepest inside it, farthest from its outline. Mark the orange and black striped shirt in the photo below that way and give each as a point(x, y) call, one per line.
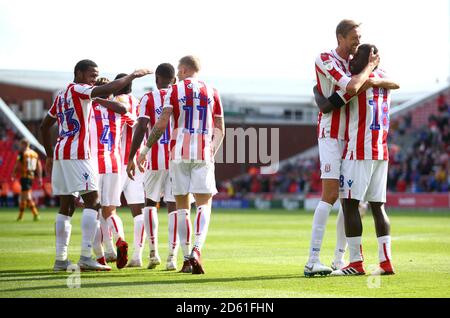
point(28, 163)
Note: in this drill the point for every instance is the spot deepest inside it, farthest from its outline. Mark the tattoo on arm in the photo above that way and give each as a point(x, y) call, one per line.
point(154, 136)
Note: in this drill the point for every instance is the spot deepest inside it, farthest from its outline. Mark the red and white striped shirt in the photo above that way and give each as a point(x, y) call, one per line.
point(369, 124)
point(194, 107)
point(151, 107)
point(132, 105)
point(106, 129)
point(332, 73)
point(72, 108)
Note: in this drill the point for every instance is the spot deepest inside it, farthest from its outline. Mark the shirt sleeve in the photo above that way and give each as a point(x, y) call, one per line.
point(144, 106)
point(327, 66)
point(83, 90)
point(170, 99)
point(340, 98)
point(218, 109)
point(52, 111)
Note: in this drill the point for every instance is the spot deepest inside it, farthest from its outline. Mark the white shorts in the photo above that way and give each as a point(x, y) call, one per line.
point(133, 190)
point(109, 189)
point(192, 177)
point(71, 176)
point(157, 184)
point(364, 180)
point(330, 154)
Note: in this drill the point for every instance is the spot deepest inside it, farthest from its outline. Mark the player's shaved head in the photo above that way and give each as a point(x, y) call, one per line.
point(164, 75)
point(361, 58)
point(165, 71)
point(345, 26)
point(191, 62)
point(83, 66)
point(127, 89)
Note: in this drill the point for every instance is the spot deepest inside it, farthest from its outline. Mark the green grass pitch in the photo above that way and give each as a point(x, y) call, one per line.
point(248, 253)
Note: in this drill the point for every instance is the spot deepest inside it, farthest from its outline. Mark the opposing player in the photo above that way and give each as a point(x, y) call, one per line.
point(133, 190)
point(156, 179)
point(332, 72)
point(106, 128)
point(197, 115)
point(365, 164)
point(29, 167)
point(70, 165)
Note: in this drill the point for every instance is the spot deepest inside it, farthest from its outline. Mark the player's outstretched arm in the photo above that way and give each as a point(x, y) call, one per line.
point(112, 105)
point(39, 172)
point(157, 131)
point(358, 80)
point(138, 136)
point(46, 124)
point(322, 102)
point(118, 84)
point(386, 83)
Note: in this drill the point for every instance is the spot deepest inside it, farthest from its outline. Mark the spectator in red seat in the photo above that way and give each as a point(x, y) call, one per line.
point(401, 185)
point(442, 103)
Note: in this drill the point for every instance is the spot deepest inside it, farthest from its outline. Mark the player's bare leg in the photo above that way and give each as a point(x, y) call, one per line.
point(174, 242)
point(203, 202)
point(30, 204)
point(184, 227)
point(151, 225)
point(139, 235)
point(116, 225)
point(22, 204)
point(353, 231)
point(383, 230)
point(330, 193)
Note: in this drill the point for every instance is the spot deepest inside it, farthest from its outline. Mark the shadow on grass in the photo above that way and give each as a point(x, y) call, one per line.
point(194, 280)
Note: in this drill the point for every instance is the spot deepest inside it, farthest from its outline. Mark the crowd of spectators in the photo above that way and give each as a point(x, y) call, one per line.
point(423, 166)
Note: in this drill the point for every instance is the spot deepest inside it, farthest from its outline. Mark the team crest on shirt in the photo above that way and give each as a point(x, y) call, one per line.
point(86, 175)
point(328, 65)
point(190, 85)
point(327, 167)
point(349, 182)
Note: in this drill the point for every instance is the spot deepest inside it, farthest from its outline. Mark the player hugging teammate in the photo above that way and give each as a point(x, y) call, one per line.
point(354, 98)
